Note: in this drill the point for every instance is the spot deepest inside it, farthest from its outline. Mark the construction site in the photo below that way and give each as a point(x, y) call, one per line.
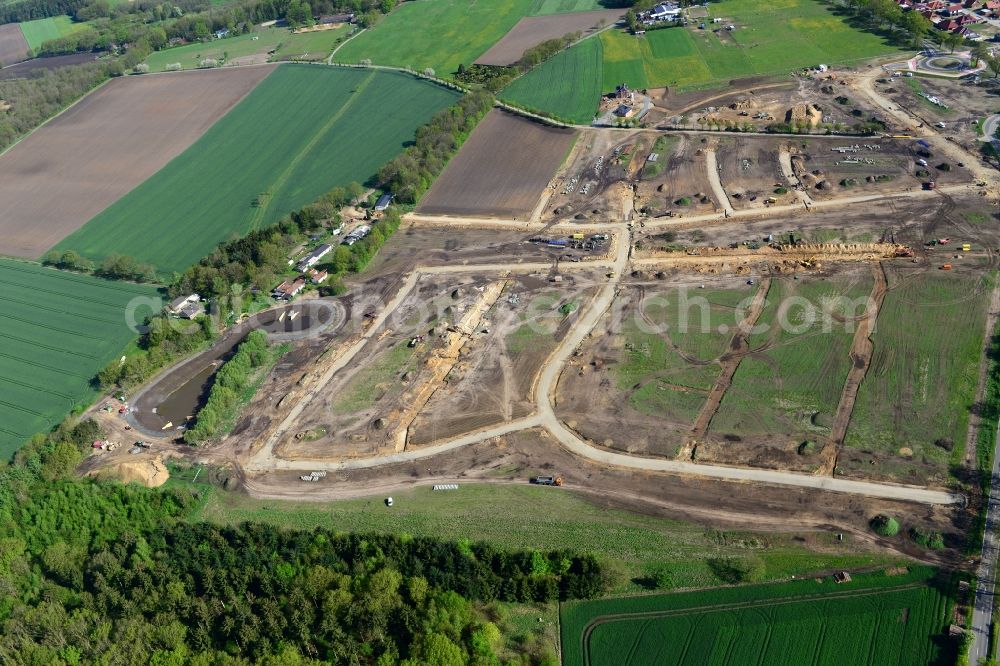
point(730, 327)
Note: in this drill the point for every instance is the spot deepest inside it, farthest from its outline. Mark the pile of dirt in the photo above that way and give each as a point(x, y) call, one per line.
point(147, 471)
point(808, 114)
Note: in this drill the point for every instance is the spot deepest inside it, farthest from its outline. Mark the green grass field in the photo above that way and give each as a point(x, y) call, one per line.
point(674, 380)
point(303, 130)
point(793, 386)
point(440, 34)
point(924, 371)
point(58, 330)
point(42, 30)
point(546, 7)
point(314, 45)
point(770, 38)
point(567, 86)
point(874, 619)
point(508, 515)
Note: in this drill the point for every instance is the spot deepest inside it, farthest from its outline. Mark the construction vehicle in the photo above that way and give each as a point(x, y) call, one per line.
point(930, 185)
point(946, 267)
point(966, 247)
point(547, 480)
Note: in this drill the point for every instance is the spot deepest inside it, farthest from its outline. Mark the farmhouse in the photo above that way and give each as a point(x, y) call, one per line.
point(317, 277)
point(310, 259)
point(286, 291)
point(665, 11)
point(186, 307)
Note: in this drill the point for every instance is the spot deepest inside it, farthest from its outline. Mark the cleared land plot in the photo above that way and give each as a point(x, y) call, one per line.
point(325, 126)
point(501, 170)
point(786, 392)
point(250, 48)
point(58, 330)
point(769, 39)
point(922, 379)
point(646, 382)
point(874, 619)
point(567, 86)
point(678, 181)
point(13, 47)
point(750, 173)
point(441, 34)
point(534, 30)
point(74, 167)
point(38, 32)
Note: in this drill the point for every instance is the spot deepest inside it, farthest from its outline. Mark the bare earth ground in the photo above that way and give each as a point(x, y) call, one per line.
point(534, 30)
point(24, 69)
point(501, 170)
point(118, 136)
point(13, 48)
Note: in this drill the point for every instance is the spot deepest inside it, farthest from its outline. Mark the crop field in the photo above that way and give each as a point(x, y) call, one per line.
point(326, 126)
point(13, 47)
point(534, 30)
point(42, 30)
point(501, 170)
point(874, 619)
point(567, 86)
point(245, 49)
point(59, 329)
point(769, 39)
point(109, 142)
point(547, 7)
point(441, 34)
point(923, 375)
point(792, 384)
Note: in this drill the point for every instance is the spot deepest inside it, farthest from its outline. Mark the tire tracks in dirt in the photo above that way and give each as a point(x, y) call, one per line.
point(740, 348)
point(861, 355)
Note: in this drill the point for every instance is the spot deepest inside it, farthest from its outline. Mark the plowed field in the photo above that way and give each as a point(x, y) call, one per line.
point(534, 30)
point(98, 150)
point(501, 170)
point(13, 48)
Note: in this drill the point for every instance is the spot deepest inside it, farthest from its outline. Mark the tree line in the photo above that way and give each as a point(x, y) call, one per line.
point(494, 78)
point(97, 572)
point(230, 386)
point(410, 174)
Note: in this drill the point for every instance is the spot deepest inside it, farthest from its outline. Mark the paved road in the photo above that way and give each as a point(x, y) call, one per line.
point(982, 613)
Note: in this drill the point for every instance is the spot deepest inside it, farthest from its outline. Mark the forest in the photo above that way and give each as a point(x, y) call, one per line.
point(95, 572)
point(34, 100)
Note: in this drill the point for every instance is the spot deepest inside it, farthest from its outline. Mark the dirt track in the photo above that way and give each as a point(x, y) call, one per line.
point(13, 48)
point(117, 137)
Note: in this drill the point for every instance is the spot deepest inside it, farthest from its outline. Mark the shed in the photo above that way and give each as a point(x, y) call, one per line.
point(383, 202)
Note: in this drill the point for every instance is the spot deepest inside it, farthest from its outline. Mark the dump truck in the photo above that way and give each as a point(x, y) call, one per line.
point(547, 480)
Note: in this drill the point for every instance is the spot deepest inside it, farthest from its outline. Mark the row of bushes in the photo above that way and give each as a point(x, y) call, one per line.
point(229, 386)
point(495, 78)
point(113, 267)
point(410, 174)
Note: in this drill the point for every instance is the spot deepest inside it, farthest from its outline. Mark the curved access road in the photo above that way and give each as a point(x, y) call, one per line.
point(545, 417)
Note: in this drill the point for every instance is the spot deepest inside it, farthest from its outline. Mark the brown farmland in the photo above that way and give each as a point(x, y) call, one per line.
point(534, 30)
point(501, 170)
point(74, 167)
point(13, 48)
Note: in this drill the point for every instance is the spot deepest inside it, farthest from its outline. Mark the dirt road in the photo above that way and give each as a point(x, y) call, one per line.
point(712, 167)
point(785, 160)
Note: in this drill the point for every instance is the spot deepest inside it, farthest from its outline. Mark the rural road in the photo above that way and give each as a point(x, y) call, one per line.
point(982, 609)
point(785, 160)
point(990, 126)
